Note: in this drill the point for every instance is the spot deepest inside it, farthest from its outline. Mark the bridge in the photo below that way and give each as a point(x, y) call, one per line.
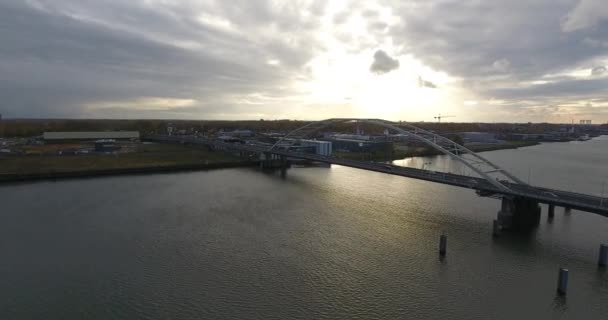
point(520, 201)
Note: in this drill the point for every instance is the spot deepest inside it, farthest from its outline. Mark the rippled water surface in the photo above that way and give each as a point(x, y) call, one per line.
point(323, 243)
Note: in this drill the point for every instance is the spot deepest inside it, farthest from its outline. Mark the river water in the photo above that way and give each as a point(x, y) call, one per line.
point(323, 243)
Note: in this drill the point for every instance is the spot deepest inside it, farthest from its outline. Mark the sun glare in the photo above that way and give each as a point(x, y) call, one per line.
point(340, 77)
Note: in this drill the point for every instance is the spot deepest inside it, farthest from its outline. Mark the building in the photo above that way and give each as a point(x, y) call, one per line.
point(106, 145)
point(351, 145)
point(90, 136)
point(320, 147)
point(350, 136)
point(229, 139)
point(239, 133)
point(323, 148)
point(478, 137)
point(533, 136)
point(72, 152)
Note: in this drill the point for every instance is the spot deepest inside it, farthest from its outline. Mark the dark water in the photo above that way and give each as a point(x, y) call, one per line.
point(324, 243)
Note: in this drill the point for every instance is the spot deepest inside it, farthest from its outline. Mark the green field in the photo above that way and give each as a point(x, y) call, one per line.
point(150, 155)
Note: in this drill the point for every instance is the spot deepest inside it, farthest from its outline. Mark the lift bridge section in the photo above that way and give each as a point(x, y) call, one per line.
point(520, 202)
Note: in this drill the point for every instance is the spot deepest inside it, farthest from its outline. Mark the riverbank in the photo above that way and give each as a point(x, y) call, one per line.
point(398, 154)
point(149, 159)
point(507, 145)
point(50, 175)
point(154, 158)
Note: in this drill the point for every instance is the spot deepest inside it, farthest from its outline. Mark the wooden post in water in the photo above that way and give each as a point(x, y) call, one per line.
point(562, 281)
point(443, 245)
point(603, 258)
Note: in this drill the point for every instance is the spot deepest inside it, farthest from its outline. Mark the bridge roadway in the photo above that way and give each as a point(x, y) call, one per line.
point(566, 199)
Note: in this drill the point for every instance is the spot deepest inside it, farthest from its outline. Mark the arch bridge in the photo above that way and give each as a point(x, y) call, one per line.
point(483, 167)
point(520, 202)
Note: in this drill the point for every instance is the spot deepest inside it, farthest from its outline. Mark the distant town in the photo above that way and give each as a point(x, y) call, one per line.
point(49, 147)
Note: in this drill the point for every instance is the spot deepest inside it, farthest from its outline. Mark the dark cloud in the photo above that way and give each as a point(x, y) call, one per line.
point(383, 63)
point(562, 90)
point(425, 84)
point(57, 58)
point(596, 71)
point(477, 38)
point(496, 47)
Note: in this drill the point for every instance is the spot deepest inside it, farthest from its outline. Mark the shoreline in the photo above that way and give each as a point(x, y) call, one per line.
point(83, 174)
point(510, 146)
point(428, 152)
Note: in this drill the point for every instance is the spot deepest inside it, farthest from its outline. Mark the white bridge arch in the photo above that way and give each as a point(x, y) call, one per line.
point(491, 172)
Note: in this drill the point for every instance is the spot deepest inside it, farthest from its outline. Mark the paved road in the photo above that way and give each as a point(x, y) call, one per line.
point(568, 199)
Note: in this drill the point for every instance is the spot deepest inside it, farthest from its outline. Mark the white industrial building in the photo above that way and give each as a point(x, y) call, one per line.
point(321, 147)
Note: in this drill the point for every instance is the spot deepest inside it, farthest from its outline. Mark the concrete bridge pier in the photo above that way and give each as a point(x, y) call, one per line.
point(518, 214)
point(269, 161)
point(264, 159)
point(284, 166)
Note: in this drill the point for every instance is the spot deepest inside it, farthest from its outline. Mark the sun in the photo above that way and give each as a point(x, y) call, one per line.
point(339, 77)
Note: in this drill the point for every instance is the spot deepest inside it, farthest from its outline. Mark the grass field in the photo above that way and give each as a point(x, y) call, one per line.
point(150, 155)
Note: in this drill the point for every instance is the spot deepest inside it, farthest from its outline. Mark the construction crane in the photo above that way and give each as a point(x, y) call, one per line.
point(439, 116)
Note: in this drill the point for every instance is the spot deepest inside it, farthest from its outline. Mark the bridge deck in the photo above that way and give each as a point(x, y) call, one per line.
point(568, 199)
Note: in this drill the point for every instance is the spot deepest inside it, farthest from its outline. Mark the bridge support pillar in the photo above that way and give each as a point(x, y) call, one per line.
point(495, 228)
point(551, 212)
point(603, 259)
point(266, 160)
point(518, 214)
point(283, 166)
point(269, 161)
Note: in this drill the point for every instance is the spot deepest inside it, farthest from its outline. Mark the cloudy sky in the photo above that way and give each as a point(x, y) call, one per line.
point(542, 60)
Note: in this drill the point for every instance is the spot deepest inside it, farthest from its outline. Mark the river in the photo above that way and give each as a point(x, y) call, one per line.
point(323, 243)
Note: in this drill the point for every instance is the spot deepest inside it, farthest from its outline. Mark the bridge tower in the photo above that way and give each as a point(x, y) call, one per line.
point(518, 213)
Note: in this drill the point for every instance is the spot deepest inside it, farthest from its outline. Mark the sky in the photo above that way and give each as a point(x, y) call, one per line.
point(469, 60)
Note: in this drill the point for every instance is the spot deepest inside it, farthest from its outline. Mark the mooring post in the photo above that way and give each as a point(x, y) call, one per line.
point(495, 228)
point(443, 245)
point(551, 213)
point(603, 258)
point(562, 281)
